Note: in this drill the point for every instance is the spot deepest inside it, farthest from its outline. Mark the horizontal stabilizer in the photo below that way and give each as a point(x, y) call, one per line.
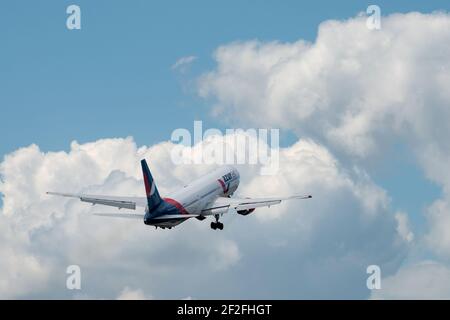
point(141, 216)
point(121, 215)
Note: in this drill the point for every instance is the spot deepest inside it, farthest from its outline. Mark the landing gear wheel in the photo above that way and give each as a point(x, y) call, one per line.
point(217, 224)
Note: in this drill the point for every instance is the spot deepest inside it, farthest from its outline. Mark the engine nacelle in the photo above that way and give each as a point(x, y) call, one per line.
point(245, 212)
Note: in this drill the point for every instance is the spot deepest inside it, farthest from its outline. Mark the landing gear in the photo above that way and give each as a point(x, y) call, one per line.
point(217, 224)
point(156, 227)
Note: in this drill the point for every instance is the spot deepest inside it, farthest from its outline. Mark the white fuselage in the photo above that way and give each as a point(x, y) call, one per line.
point(200, 193)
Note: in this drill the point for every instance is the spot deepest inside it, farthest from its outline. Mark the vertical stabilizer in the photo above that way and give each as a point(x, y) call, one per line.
point(153, 198)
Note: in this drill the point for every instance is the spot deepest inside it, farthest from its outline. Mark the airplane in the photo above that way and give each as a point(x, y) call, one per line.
point(209, 195)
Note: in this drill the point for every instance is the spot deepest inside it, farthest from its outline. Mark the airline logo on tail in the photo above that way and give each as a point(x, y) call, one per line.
point(149, 186)
point(151, 191)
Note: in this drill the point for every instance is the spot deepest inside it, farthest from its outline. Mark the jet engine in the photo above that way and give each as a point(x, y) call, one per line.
point(245, 212)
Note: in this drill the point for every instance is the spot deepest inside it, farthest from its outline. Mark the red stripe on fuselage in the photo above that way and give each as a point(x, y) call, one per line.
point(176, 204)
point(224, 187)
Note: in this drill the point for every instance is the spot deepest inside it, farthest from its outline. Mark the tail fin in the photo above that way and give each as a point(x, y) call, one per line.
point(153, 198)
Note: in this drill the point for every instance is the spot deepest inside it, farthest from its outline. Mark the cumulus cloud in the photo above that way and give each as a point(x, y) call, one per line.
point(403, 226)
point(356, 91)
point(352, 88)
point(43, 235)
point(438, 236)
point(327, 242)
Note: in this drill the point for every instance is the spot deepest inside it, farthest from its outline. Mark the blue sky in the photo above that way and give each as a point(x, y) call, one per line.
point(113, 78)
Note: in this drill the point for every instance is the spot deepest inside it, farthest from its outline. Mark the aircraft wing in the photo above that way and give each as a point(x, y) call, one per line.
point(249, 203)
point(121, 215)
point(118, 202)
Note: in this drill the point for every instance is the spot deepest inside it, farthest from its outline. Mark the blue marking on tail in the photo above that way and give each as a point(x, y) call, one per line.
point(153, 198)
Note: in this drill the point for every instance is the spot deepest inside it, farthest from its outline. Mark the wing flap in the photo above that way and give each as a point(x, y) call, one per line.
point(253, 205)
point(249, 203)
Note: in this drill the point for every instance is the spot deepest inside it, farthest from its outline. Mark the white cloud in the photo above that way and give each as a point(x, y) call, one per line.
point(355, 90)
point(333, 237)
point(227, 254)
point(25, 272)
point(183, 63)
point(438, 236)
point(425, 280)
point(403, 227)
point(42, 234)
